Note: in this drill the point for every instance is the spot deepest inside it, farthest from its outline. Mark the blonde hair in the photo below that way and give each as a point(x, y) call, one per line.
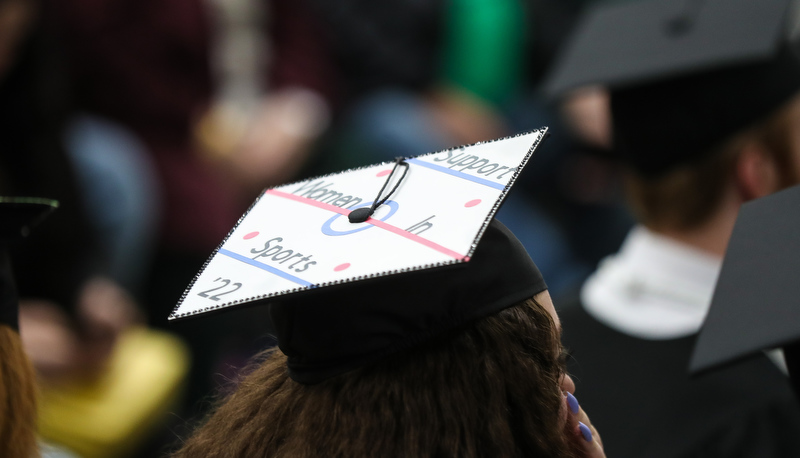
point(17, 398)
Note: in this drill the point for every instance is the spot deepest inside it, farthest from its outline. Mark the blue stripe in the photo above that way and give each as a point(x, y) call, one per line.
point(263, 266)
point(458, 174)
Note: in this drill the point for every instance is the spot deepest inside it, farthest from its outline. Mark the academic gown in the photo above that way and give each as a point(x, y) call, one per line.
point(631, 334)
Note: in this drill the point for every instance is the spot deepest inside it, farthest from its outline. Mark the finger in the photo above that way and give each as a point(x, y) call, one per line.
point(590, 441)
point(582, 418)
point(583, 430)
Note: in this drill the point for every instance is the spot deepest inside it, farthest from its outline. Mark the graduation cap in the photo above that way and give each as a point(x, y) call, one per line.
point(17, 216)
point(756, 303)
point(350, 278)
point(684, 75)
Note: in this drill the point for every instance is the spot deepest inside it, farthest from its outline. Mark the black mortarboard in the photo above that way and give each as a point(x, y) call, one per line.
point(357, 325)
point(756, 303)
point(684, 75)
point(343, 292)
point(17, 216)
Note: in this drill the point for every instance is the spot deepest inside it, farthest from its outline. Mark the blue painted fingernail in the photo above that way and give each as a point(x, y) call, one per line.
point(587, 433)
point(572, 402)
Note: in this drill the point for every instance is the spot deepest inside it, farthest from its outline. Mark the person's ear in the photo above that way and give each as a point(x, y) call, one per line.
point(757, 173)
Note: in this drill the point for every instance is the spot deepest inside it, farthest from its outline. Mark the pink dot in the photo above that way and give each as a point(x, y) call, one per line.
point(383, 173)
point(341, 267)
point(472, 203)
point(250, 235)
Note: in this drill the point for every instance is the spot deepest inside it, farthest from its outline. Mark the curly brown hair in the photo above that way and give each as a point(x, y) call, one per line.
point(490, 388)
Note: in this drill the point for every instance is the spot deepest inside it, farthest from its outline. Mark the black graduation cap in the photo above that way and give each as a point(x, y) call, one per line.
point(756, 303)
point(17, 216)
point(684, 75)
point(349, 281)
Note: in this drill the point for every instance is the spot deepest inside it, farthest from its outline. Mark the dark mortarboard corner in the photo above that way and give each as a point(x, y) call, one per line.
point(17, 217)
point(756, 304)
point(684, 75)
point(345, 293)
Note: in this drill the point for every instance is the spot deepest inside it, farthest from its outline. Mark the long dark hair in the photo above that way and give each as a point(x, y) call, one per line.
point(17, 398)
point(488, 389)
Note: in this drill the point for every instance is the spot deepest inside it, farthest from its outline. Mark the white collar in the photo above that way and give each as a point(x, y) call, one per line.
point(655, 288)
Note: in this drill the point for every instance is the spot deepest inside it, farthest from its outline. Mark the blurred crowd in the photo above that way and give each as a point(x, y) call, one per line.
point(156, 124)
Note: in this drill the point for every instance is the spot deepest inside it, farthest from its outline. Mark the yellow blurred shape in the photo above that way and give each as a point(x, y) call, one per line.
point(111, 415)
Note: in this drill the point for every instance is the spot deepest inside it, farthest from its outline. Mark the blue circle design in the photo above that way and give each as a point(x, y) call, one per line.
point(328, 230)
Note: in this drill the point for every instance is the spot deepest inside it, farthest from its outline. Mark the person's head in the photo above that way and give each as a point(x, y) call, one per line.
point(17, 397)
point(720, 127)
point(702, 101)
point(492, 387)
point(452, 361)
point(402, 342)
point(753, 162)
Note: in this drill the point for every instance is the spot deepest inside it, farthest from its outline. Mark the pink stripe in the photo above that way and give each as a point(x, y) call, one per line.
point(414, 238)
point(373, 221)
point(306, 200)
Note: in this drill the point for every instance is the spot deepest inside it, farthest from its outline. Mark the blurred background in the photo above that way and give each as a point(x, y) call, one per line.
point(156, 124)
